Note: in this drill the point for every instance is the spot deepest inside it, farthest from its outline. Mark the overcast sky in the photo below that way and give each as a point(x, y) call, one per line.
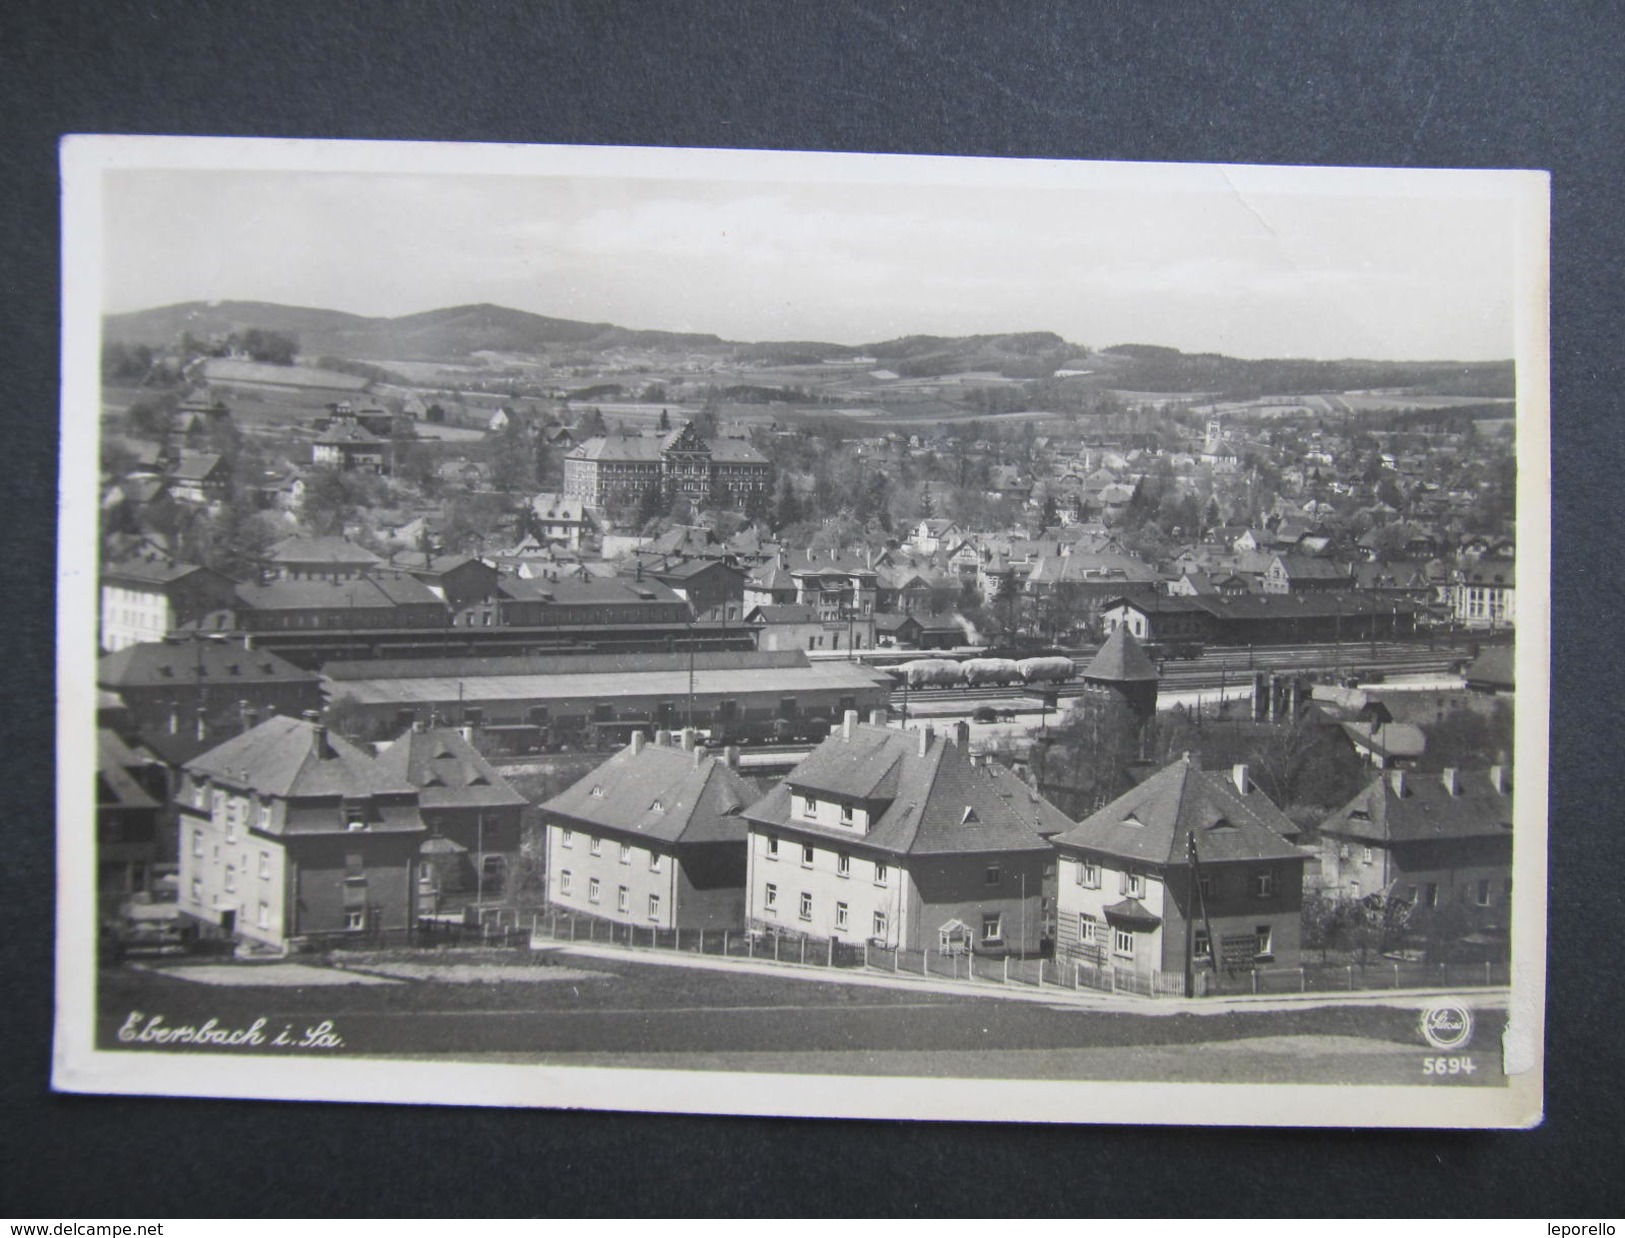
point(1196, 264)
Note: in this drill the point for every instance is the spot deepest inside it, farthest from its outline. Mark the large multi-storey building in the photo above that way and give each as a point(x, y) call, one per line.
point(621, 467)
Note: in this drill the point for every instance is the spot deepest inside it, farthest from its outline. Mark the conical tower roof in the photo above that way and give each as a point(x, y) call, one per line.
point(1121, 660)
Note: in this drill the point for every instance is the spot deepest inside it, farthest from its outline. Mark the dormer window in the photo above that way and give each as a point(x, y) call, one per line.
point(809, 806)
point(969, 817)
point(598, 792)
point(846, 814)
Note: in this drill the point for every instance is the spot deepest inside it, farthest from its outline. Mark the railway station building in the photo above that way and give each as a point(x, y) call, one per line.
point(597, 701)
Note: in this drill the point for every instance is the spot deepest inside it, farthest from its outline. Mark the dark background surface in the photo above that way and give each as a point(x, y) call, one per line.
point(1438, 84)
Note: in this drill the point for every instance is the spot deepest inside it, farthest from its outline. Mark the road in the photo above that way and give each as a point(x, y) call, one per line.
point(595, 1011)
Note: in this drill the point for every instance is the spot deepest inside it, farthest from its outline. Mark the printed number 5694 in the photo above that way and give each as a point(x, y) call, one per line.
point(1447, 1066)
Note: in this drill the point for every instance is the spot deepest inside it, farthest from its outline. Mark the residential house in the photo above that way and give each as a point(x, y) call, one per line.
point(347, 444)
point(1297, 573)
point(895, 837)
point(199, 478)
point(554, 518)
point(471, 813)
point(290, 834)
point(129, 798)
point(1440, 842)
point(654, 837)
point(380, 600)
point(1127, 887)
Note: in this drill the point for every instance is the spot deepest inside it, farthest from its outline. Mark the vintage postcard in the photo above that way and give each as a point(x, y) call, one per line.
point(805, 634)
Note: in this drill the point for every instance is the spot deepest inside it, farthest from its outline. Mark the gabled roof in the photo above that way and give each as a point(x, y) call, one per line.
point(1494, 668)
point(930, 803)
point(1153, 822)
point(290, 758)
point(218, 662)
point(196, 466)
point(660, 792)
point(1121, 660)
point(619, 448)
point(1402, 807)
point(447, 771)
point(785, 613)
point(338, 551)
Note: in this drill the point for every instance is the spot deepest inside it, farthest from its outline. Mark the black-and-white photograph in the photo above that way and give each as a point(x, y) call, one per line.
point(807, 634)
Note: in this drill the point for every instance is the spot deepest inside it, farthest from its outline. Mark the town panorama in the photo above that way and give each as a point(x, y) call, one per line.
point(611, 693)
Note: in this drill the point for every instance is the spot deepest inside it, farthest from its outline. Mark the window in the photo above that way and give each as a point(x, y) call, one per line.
point(1263, 884)
point(840, 915)
point(1088, 927)
point(654, 861)
point(1123, 943)
point(809, 806)
point(1433, 894)
point(806, 856)
point(265, 816)
point(197, 889)
point(593, 887)
point(772, 848)
point(623, 899)
point(1365, 855)
point(1262, 941)
point(992, 876)
point(847, 815)
point(843, 865)
point(770, 898)
point(596, 846)
point(355, 921)
point(567, 838)
point(881, 873)
point(1204, 883)
point(991, 927)
point(654, 906)
point(879, 925)
point(564, 881)
point(1133, 884)
point(1088, 874)
point(806, 905)
point(1203, 944)
point(626, 853)
point(231, 879)
point(1483, 899)
point(265, 864)
point(197, 843)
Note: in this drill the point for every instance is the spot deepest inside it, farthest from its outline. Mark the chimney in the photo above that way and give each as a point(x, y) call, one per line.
point(174, 718)
point(202, 724)
point(637, 742)
point(248, 640)
point(730, 757)
point(250, 715)
point(878, 717)
point(1238, 774)
point(927, 734)
point(962, 735)
point(689, 735)
point(1452, 781)
point(1396, 779)
point(699, 755)
point(849, 723)
point(1500, 780)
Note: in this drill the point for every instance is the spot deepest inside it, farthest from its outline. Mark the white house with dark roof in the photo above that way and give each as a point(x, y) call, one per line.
point(653, 837)
point(1125, 890)
point(894, 837)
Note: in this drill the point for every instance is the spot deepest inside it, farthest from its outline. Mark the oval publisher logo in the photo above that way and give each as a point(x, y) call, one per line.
point(1447, 1026)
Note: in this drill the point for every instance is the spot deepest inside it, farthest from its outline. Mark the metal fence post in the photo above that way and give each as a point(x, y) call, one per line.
point(1351, 977)
point(831, 962)
point(775, 947)
point(1303, 980)
point(1005, 979)
point(925, 961)
point(1396, 973)
point(803, 951)
point(865, 954)
point(1255, 981)
point(1486, 971)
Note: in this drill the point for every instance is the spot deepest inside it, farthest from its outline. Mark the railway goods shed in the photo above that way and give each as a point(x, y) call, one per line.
point(598, 700)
